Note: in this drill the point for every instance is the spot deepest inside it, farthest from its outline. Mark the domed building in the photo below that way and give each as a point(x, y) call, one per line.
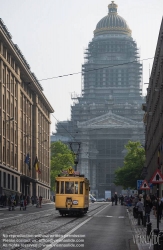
point(108, 113)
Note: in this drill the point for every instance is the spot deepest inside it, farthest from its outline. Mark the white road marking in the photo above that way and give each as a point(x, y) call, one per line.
point(71, 231)
point(109, 216)
point(121, 217)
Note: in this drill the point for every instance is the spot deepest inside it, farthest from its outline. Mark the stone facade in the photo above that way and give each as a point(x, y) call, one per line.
point(153, 117)
point(108, 113)
point(24, 124)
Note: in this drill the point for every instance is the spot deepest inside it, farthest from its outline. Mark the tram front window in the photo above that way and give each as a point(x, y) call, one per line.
point(69, 187)
point(81, 187)
point(62, 187)
point(76, 187)
point(57, 187)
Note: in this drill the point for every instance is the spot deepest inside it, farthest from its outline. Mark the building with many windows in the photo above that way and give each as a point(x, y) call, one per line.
point(153, 117)
point(24, 124)
point(108, 113)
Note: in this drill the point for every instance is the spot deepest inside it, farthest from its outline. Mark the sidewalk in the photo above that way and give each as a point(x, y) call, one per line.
point(29, 205)
point(139, 232)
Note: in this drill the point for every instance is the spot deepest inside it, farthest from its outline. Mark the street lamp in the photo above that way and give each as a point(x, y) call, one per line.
point(75, 148)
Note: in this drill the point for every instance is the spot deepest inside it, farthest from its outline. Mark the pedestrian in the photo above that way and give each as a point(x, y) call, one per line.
point(115, 198)
point(16, 199)
point(140, 207)
point(122, 200)
point(148, 207)
point(9, 203)
point(154, 203)
point(160, 207)
point(40, 200)
point(112, 200)
point(25, 203)
point(33, 200)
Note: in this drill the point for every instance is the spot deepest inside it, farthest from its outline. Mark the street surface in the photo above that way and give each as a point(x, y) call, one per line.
point(104, 227)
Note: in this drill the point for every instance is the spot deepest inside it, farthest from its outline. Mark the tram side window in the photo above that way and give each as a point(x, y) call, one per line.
point(62, 187)
point(69, 187)
point(86, 188)
point(57, 187)
point(76, 187)
point(81, 187)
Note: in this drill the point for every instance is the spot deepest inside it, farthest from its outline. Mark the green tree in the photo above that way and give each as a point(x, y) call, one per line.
point(128, 175)
point(61, 158)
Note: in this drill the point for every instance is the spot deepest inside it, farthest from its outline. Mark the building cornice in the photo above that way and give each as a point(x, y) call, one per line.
point(6, 168)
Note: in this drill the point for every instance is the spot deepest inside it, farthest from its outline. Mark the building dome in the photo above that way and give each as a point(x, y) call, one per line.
point(112, 23)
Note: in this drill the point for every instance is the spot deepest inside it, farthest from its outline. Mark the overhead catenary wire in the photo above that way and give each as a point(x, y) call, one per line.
point(89, 70)
point(109, 66)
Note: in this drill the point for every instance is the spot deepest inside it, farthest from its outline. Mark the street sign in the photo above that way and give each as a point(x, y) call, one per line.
point(139, 183)
point(157, 177)
point(144, 186)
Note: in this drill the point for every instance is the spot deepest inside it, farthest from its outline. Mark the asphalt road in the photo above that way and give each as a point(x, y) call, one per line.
point(104, 227)
point(109, 228)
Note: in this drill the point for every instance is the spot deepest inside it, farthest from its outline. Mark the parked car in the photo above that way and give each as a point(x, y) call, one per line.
point(91, 198)
point(101, 199)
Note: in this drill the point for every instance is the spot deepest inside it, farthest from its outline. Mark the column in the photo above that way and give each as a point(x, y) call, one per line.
point(31, 188)
point(10, 181)
point(7, 180)
point(18, 183)
point(94, 176)
point(1, 105)
point(35, 132)
point(1, 179)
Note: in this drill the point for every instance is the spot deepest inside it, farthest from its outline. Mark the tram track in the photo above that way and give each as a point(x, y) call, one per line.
point(20, 217)
point(60, 226)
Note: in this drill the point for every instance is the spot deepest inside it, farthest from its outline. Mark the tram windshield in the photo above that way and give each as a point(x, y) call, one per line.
point(69, 187)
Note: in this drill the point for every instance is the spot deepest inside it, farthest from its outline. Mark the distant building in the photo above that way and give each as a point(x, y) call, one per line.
point(54, 137)
point(108, 113)
point(24, 124)
point(153, 117)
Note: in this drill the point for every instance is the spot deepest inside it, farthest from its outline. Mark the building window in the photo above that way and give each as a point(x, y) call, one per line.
point(8, 181)
point(4, 52)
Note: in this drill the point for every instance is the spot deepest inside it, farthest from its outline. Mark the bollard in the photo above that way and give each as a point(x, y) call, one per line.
point(139, 217)
point(160, 238)
point(155, 239)
point(144, 221)
point(149, 230)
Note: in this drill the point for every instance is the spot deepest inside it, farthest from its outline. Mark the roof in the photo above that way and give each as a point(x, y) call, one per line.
point(112, 23)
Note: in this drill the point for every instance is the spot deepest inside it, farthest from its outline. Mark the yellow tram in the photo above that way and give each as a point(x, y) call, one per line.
point(72, 193)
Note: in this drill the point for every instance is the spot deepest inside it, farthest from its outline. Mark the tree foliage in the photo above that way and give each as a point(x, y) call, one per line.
point(61, 158)
point(128, 175)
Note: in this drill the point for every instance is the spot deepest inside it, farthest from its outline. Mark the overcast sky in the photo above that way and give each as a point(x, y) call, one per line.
point(52, 35)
